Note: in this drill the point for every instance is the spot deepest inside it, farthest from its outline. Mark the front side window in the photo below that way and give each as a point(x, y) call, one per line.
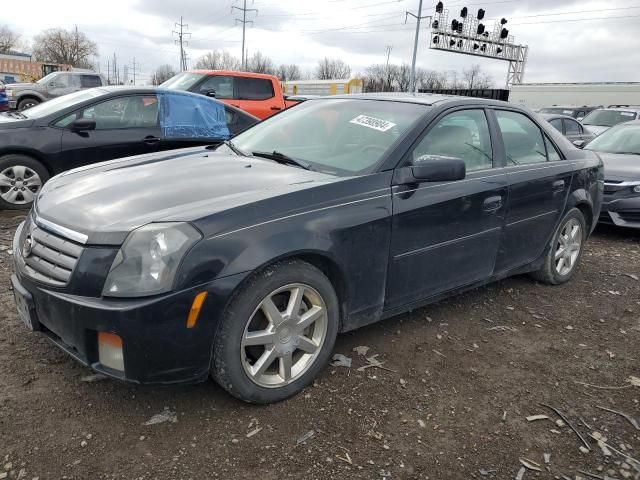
point(572, 128)
point(137, 111)
point(464, 135)
point(523, 140)
point(62, 81)
point(254, 89)
point(337, 136)
point(221, 85)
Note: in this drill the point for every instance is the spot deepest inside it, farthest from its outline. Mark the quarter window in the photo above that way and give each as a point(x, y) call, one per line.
point(523, 140)
point(552, 151)
point(572, 128)
point(254, 89)
point(221, 85)
point(124, 112)
point(557, 124)
point(464, 135)
point(90, 81)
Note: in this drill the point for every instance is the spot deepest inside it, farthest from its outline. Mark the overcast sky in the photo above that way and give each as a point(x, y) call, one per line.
point(564, 47)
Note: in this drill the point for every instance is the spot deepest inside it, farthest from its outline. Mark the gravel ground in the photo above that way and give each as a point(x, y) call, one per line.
point(458, 382)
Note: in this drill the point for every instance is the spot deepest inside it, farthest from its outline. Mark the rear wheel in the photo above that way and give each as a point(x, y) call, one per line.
point(21, 179)
point(565, 250)
point(277, 333)
point(26, 103)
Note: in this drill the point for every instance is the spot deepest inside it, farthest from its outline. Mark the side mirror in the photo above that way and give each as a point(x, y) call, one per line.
point(209, 93)
point(83, 125)
point(436, 168)
point(579, 143)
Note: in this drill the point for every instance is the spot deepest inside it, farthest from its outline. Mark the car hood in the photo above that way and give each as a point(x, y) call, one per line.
point(108, 200)
point(596, 129)
point(8, 121)
point(620, 168)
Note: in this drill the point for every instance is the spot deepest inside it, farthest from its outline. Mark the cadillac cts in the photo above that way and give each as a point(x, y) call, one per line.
point(245, 261)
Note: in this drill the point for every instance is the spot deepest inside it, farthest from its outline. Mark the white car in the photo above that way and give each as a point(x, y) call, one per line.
point(603, 119)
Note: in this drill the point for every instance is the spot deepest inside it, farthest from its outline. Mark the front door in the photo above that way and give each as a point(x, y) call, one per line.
point(447, 235)
point(125, 126)
point(539, 182)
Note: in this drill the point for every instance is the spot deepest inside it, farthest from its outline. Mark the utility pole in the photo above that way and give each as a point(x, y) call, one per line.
point(244, 22)
point(116, 80)
point(108, 72)
point(388, 49)
point(134, 71)
point(419, 17)
point(181, 34)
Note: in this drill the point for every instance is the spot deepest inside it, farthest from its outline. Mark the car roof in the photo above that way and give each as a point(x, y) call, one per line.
point(233, 73)
point(623, 109)
point(553, 116)
point(428, 99)
point(572, 107)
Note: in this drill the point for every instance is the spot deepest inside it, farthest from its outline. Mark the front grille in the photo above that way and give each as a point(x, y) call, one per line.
point(631, 216)
point(49, 258)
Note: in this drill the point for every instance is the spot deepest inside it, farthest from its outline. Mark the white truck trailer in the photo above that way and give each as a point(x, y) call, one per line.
point(539, 95)
point(322, 87)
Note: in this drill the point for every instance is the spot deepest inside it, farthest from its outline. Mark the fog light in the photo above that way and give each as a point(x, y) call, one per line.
point(636, 189)
point(110, 351)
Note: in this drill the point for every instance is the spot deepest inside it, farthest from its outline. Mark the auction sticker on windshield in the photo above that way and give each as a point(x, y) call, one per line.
point(372, 122)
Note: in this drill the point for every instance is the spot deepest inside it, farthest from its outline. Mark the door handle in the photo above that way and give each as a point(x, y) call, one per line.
point(151, 140)
point(276, 108)
point(558, 186)
point(237, 106)
point(492, 204)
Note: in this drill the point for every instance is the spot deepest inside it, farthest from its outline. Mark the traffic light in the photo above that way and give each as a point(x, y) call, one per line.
point(464, 12)
point(436, 39)
point(483, 48)
point(481, 29)
point(460, 25)
point(503, 21)
point(460, 43)
point(498, 50)
point(439, 7)
point(435, 24)
point(452, 43)
point(504, 33)
point(476, 46)
point(481, 13)
point(454, 26)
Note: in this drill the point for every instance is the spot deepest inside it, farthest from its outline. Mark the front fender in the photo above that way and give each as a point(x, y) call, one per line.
point(29, 93)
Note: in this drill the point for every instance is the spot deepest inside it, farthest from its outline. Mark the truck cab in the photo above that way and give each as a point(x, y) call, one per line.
point(255, 93)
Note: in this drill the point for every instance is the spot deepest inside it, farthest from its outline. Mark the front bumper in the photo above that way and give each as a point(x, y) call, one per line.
point(157, 346)
point(622, 212)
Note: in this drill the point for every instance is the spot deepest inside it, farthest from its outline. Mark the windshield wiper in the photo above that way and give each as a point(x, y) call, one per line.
point(282, 158)
point(627, 153)
point(233, 148)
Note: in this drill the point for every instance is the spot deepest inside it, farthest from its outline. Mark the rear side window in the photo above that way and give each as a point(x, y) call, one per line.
point(572, 128)
point(254, 89)
point(221, 85)
point(523, 140)
point(90, 81)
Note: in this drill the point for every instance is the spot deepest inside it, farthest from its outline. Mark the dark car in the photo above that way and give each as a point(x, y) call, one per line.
point(4, 101)
point(572, 111)
point(570, 128)
point(619, 148)
point(244, 262)
point(102, 124)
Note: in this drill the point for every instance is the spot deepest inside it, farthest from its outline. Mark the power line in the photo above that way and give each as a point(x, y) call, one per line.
point(181, 34)
point(244, 22)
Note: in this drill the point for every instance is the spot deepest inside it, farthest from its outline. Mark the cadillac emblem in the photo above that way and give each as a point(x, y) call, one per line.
point(27, 246)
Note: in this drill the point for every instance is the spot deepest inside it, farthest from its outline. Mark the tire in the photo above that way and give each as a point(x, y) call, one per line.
point(560, 266)
point(27, 103)
point(21, 179)
point(236, 359)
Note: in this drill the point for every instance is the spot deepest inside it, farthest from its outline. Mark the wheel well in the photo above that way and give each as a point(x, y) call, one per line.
point(28, 95)
point(587, 212)
point(28, 153)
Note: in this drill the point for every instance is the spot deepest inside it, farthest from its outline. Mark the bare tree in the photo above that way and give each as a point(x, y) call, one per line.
point(329, 69)
point(8, 39)
point(218, 60)
point(65, 46)
point(162, 74)
point(403, 77)
point(260, 63)
point(475, 77)
point(287, 73)
point(430, 79)
point(374, 78)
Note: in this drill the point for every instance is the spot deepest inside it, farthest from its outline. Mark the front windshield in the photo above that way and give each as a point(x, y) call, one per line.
point(47, 78)
point(608, 118)
point(183, 81)
point(60, 103)
point(339, 136)
point(622, 139)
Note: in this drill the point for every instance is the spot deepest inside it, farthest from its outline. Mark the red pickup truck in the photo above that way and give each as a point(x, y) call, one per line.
point(258, 94)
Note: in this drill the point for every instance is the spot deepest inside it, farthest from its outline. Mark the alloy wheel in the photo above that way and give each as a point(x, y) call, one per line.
point(19, 185)
point(284, 336)
point(568, 247)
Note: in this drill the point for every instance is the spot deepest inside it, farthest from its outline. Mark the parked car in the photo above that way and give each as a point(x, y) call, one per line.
point(619, 148)
point(101, 124)
point(245, 262)
point(572, 111)
point(570, 128)
point(601, 120)
point(260, 95)
point(56, 84)
point(4, 101)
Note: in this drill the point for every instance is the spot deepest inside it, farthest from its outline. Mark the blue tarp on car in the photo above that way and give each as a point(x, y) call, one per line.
point(187, 115)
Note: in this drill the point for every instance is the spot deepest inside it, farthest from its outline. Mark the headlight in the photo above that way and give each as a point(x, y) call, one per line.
point(636, 189)
point(149, 259)
point(9, 93)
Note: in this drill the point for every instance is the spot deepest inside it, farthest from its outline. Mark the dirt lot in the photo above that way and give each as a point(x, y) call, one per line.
point(463, 376)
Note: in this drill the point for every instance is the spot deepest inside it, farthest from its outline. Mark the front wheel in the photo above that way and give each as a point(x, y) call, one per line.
point(565, 250)
point(21, 179)
point(277, 333)
point(27, 103)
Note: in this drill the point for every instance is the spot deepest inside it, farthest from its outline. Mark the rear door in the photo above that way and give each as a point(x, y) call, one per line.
point(539, 182)
point(257, 96)
point(447, 235)
point(125, 126)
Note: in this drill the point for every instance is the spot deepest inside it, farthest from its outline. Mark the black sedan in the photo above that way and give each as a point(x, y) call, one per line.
point(102, 124)
point(619, 148)
point(570, 128)
point(246, 261)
